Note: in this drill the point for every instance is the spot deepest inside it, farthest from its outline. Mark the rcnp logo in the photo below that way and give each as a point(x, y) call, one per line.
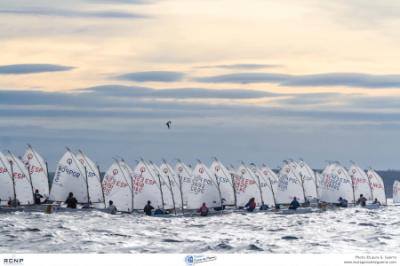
point(69, 161)
point(115, 171)
point(201, 170)
point(217, 168)
point(142, 169)
point(13, 261)
point(30, 156)
point(165, 170)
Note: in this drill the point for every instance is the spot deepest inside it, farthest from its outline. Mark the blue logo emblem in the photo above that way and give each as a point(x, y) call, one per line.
point(189, 260)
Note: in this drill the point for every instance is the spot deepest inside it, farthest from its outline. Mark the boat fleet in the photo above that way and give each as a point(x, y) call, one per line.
point(181, 188)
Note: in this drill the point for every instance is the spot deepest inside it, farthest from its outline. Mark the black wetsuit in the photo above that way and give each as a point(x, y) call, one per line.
point(71, 202)
point(147, 209)
point(294, 205)
point(37, 196)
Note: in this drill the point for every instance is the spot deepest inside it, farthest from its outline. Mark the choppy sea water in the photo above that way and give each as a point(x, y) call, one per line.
point(334, 231)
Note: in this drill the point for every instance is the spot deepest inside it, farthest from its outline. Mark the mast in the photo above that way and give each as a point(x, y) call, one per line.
point(215, 182)
point(83, 174)
point(102, 188)
point(131, 186)
point(180, 185)
point(159, 181)
point(22, 172)
point(87, 185)
point(315, 177)
point(170, 185)
point(301, 180)
point(13, 181)
point(270, 184)
point(232, 183)
point(37, 159)
point(258, 181)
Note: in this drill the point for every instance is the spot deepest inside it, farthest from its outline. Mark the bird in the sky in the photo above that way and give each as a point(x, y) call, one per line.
point(169, 124)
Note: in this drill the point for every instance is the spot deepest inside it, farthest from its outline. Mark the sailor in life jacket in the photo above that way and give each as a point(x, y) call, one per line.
point(203, 210)
point(111, 207)
point(251, 205)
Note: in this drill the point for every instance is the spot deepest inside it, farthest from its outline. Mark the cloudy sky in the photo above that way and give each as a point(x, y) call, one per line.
point(259, 81)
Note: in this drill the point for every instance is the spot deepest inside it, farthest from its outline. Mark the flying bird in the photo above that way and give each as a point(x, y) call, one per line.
point(169, 124)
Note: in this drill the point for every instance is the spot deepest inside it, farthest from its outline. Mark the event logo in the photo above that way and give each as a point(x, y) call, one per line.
point(13, 260)
point(201, 170)
point(82, 161)
point(165, 170)
point(30, 156)
point(194, 259)
point(142, 169)
point(217, 168)
point(69, 161)
point(115, 172)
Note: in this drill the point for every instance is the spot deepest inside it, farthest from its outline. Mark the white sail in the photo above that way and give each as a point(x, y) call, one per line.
point(173, 183)
point(23, 186)
point(308, 178)
point(38, 171)
point(69, 177)
point(377, 186)
point(93, 178)
point(396, 192)
point(360, 182)
point(117, 187)
point(272, 178)
point(335, 182)
point(203, 190)
point(145, 187)
point(289, 185)
point(184, 174)
point(223, 180)
point(264, 184)
point(246, 187)
point(168, 203)
point(6, 182)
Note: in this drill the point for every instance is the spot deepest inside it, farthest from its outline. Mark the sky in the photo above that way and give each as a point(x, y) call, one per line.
point(260, 81)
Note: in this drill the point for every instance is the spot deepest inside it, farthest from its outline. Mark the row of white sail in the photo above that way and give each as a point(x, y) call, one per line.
point(180, 186)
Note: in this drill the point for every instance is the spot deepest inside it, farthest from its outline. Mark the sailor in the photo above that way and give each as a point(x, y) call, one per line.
point(13, 202)
point(251, 205)
point(148, 208)
point(294, 204)
point(362, 201)
point(71, 201)
point(37, 196)
point(203, 210)
point(111, 207)
point(263, 206)
point(376, 201)
point(342, 202)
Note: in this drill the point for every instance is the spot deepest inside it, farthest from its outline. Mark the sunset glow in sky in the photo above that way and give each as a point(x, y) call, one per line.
point(259, 81)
